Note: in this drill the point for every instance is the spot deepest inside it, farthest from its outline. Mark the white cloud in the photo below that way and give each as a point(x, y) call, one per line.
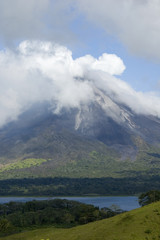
point(141, 103)
point(42, 71)
point(135, 22)
point(109, 63)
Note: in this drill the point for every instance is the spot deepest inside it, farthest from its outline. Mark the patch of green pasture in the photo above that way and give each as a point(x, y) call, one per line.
point(26, 163)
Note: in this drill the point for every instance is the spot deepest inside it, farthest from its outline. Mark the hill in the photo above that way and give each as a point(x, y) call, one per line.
point(139, 224)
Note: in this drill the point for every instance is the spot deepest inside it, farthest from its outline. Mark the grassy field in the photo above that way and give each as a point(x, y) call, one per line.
point(22, 164)
point(139, 224)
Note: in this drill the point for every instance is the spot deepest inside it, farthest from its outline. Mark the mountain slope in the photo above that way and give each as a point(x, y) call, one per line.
point(100, 139)
point(139, 224)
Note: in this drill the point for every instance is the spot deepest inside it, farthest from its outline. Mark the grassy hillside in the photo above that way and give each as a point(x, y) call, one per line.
point(27, 163)
point(139, 224)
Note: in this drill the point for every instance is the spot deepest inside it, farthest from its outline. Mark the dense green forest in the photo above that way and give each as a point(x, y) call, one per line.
point(15, 217)
point(78, 186)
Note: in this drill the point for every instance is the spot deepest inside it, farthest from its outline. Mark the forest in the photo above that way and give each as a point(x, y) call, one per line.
point(78, 186)
point(16, 217)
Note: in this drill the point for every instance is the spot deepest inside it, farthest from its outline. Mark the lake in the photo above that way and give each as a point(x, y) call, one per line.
point(126, 202)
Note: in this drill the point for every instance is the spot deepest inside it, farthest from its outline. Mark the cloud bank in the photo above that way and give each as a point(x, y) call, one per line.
point(43, 71)
point(36, 20)
point(136, 23)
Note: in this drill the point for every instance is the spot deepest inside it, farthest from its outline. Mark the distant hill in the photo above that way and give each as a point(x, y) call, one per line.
point(139, 224)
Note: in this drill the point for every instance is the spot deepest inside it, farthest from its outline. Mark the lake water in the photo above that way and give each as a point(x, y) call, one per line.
point(125, 203)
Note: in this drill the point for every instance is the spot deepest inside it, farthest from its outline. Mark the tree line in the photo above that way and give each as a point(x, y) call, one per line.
point(16, 216)
point(78, 186)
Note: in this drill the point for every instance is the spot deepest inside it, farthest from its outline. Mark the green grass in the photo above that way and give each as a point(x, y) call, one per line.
point(26, 163)
point(139, 224)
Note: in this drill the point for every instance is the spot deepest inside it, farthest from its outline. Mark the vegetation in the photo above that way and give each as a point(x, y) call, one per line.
point(19, 216)
point(138, 224)
point(78, 186)
point(98, 165)
point(21, 164)
point(92, 164)
point(149, 197)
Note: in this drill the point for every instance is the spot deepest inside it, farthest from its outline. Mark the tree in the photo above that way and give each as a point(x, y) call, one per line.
point(149, 197)
point(5, 225)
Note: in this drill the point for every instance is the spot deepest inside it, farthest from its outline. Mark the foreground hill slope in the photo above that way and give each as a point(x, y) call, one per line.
point(139, 224)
